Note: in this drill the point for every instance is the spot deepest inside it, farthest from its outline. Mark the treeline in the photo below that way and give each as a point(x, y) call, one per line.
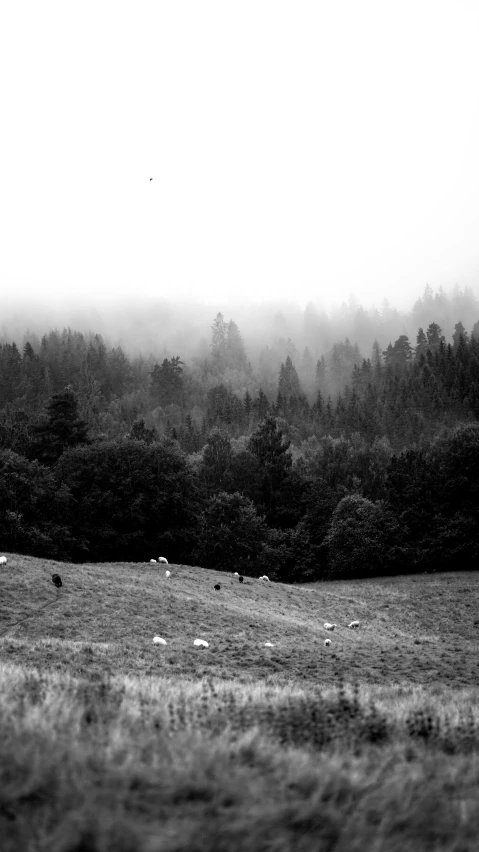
point(347, 466)
point(404, 393)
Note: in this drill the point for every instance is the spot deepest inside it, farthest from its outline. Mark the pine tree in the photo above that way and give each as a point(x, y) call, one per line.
point(421, 343)
point(62, 429)
point(31, 370)
point(271, 450)
point(223, 407)
point(460, 333)
point(434, 336)
point(288, 384)
point(219, 338)
point(235, 351)
point(399, 354)
point(217, 457)
point(318, 406)
point(167, 381)
point(321, 377)
point(377, 359)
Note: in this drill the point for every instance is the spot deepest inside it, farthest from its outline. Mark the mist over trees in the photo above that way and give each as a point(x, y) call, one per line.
point(302, 444)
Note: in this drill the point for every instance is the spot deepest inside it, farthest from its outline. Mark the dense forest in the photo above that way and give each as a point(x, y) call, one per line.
point(310, 456)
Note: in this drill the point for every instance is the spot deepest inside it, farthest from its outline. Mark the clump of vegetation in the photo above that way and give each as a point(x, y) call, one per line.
point(430, 727)
point(294, 719)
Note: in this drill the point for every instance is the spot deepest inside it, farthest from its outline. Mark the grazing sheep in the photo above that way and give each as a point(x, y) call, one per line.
point(353, 625)
point(157, 640)
point(3, 560)
point(268, 645)
point(235, 574)
point(57, 580)
point(167, 574)
point(163, 560)
point(200, 643)
point(241, 579)
point(153, 560)
point(217, 587)
point(328, 626)
point(265, 578)
point(327, 643)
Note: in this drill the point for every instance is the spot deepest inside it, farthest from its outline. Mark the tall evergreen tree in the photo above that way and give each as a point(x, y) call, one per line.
point(219, 338)
point(223, 407)
point(267, 444)
point(421, 343)
point(434, 336)
point(167, 381)
point(376, 358)
point(217, 457)
point(235, 351)
point(321, 376)
point(399, 354)
point(459, 332)
point(288, 384)
point(62, 429)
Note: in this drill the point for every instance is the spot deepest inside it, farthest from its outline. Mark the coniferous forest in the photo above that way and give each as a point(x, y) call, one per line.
point(312, 454)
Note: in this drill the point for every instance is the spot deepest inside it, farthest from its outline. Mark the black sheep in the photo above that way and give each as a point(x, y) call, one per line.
point(217, 587)
point(241, 579)
point(57, 580)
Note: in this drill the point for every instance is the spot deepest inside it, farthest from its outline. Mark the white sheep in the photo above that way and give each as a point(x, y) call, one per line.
point(235, 574)
point(153, 560)
point(328, 626)
point(200, 643)
point(265, 578)
point(167, 574)
point(353, 625)
point(163, 560)
point(3, 560)
point(327, 643)
point(268, 645)
point(157, 640)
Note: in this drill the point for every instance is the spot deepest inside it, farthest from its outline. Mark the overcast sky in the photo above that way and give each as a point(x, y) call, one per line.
point(302, 149)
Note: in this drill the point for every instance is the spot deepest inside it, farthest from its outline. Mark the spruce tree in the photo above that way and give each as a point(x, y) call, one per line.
point(271, 451)
point(167, 381)
point(62, 429)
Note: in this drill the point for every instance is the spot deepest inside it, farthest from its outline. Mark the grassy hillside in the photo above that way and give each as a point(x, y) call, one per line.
point(111, 744)
point(418, 629)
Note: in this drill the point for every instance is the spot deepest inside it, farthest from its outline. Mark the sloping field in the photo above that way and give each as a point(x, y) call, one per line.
point(112, 744)
point(416, 629)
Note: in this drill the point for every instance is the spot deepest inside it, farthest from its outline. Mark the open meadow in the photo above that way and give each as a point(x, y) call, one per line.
point(109, 742)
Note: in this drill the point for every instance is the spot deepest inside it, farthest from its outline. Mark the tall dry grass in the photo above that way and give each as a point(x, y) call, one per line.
point(154, 764)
